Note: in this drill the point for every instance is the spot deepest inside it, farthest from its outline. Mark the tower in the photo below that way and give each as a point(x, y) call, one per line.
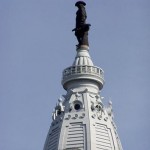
point(80, 121)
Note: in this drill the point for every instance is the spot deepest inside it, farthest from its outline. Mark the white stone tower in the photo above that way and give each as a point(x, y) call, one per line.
point(80, 121)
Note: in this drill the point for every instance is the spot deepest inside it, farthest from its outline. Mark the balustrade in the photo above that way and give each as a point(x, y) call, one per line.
point(91, 70)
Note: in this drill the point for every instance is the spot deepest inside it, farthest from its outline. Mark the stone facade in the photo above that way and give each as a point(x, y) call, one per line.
point(80, 119)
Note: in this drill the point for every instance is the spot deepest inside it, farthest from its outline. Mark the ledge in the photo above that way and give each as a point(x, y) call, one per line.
point(83, 72)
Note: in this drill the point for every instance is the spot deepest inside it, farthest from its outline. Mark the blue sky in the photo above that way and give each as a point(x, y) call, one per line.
point(36, 44)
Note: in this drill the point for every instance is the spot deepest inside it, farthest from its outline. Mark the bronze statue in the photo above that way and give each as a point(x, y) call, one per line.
point(81, 30)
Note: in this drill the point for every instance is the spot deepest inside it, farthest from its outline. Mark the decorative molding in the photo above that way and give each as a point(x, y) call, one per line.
point(75, 116)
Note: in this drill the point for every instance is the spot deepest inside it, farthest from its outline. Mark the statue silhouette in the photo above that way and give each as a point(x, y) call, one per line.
point(81, 30)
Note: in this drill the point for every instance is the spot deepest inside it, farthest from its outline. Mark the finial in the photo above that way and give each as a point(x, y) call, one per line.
point(81, 29)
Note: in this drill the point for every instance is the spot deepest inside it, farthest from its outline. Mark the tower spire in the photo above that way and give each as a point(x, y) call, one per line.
point(80, 121)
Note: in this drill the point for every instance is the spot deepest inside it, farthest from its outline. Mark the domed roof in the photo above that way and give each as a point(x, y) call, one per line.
point(82, 58)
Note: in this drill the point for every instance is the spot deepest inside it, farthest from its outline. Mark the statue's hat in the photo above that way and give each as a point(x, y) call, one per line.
point(80, 2)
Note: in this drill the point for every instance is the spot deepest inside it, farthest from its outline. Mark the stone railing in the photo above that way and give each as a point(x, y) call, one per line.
point(77, 70)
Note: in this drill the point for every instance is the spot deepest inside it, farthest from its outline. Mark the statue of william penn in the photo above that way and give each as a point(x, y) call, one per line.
point(81, 29)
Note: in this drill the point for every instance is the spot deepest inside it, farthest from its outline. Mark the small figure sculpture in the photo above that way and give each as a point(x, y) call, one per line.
point(58, 109)
point(60, 104)
point(110, 110)
point(53, 115)
point(81, 30)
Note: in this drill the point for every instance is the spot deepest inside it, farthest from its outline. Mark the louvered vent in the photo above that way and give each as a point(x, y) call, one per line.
point(54, 137)
point(75, 137)
point(103, 141)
